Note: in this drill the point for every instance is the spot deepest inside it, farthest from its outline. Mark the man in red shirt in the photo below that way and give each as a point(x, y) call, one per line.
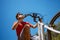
point(20, 24)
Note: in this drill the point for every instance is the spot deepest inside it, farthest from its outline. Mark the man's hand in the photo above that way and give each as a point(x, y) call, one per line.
point(14, 25)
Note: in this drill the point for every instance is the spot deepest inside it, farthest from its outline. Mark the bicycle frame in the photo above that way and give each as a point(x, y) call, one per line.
point(41, 26)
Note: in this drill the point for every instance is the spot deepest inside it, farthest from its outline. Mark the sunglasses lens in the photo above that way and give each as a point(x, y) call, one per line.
point(20, 18)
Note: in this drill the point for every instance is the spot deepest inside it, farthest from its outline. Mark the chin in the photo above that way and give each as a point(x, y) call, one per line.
point(21, 21)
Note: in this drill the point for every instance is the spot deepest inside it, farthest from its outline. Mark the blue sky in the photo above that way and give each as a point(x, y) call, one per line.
point(9, 8)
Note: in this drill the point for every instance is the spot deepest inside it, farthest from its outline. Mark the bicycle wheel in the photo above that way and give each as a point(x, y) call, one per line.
point(55, 22)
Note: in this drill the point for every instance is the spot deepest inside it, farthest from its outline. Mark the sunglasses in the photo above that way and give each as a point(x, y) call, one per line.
point(21, 17)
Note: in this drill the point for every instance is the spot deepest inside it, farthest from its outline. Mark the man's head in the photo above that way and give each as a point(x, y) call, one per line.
point(19, 16)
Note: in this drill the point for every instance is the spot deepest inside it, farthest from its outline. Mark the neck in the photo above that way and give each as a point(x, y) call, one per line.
point(20, 21)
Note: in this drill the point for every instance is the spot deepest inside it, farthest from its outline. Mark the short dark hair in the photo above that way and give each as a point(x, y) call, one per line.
point(18, 14)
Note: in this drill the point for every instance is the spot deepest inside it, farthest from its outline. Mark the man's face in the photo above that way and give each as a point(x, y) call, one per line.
point(20, 18)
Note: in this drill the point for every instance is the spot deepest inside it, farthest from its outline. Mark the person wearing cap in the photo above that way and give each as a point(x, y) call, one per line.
point(20, 24)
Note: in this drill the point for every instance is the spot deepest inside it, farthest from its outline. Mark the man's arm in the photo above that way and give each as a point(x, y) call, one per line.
point(30, 25)
point(34, 26)
point(14, 25)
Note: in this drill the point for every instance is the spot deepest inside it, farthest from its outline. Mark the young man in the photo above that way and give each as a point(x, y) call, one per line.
point(20, 24)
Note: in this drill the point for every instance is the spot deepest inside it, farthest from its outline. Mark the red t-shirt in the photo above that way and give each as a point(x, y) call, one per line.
point(20, 27)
